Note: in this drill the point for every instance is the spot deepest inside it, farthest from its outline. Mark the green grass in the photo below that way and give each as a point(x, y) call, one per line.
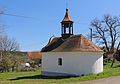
point(34, 77)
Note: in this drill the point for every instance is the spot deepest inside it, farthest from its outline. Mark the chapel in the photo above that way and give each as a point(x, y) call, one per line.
point(70, 54)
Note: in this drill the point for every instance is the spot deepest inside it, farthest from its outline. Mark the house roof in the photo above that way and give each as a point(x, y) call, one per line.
point(34, 55)
point(73, 43)
point(67, 17)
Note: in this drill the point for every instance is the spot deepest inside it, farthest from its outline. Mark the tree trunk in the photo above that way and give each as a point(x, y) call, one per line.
point(113, 61)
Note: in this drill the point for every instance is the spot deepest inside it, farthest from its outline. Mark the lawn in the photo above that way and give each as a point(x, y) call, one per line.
point(35, 78)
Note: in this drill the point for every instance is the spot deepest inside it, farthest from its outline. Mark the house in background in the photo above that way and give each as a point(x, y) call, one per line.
point(71, 55)
point(35, 56)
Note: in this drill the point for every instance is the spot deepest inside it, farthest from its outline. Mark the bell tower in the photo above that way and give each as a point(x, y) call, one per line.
point(66, 26)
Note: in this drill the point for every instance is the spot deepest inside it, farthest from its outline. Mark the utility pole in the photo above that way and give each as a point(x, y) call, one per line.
point(91, 34)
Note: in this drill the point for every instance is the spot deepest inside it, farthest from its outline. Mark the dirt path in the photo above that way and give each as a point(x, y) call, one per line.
point(110, 80)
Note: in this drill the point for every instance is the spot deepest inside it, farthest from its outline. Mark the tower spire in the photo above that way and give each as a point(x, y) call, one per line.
point(66, 26)
point(67, 17)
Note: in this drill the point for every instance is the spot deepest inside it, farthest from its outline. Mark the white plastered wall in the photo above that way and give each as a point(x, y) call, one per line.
point(76, 63)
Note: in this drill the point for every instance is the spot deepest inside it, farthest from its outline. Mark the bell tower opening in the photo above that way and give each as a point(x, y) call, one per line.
point(66, 26)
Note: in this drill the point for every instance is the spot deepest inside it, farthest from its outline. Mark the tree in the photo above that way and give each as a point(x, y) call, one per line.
point(107, 32)
point(8, 48)
point(116, 55)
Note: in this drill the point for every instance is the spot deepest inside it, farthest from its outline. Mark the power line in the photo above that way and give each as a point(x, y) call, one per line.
point(21, 16)
point(16, 15)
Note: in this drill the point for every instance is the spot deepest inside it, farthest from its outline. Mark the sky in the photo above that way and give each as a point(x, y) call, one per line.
point(33, 33)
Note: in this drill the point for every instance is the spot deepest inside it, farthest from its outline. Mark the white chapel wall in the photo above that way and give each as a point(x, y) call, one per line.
point(77, 63)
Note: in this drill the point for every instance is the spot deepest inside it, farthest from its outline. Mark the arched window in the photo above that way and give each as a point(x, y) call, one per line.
point(60, 61)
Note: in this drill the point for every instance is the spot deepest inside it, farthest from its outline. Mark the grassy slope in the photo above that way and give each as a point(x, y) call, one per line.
point(34, 77)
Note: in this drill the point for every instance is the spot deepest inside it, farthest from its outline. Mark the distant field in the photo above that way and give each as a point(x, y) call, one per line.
point(34, 77)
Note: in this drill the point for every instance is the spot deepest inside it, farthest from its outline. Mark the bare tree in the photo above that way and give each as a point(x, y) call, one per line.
point(8, 48)
point(107, 31)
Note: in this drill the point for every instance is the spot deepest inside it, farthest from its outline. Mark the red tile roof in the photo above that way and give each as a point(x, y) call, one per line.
point(54, 43)
point(73, 43)
point(34, 55)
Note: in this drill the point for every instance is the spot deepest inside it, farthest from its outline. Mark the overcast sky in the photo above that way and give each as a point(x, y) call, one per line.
point(33, 33)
